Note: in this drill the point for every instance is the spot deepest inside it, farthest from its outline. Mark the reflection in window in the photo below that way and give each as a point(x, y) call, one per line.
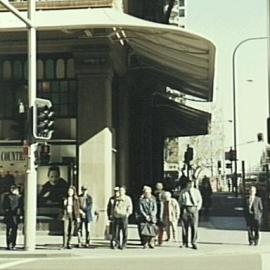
point(60, 69)
point(40, 70)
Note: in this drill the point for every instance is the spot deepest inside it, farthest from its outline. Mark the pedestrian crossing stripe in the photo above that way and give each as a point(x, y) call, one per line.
point(265, 261)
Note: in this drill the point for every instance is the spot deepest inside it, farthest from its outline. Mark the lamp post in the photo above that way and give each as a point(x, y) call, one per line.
point(234, 108)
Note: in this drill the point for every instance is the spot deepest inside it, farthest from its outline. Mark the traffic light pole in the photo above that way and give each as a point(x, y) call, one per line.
point(31, 183)
point(30, 200)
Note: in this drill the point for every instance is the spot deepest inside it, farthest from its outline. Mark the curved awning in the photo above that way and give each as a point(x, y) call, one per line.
point(184, 60)
point(177, 120)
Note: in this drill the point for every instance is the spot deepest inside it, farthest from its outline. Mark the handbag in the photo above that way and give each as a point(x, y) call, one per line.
point(148, 229)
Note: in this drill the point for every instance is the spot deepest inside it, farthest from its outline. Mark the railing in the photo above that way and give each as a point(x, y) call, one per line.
point(61, 4)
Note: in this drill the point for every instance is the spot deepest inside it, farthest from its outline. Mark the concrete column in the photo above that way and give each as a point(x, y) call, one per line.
point(94, 130)
point(123, 135)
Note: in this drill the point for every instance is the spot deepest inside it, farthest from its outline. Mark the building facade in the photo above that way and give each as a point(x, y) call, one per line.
point(106, 73)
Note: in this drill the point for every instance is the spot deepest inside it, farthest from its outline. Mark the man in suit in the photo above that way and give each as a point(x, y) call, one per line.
point(12, 211)
point(190, 201)
point(254, 209)
point(86, 212)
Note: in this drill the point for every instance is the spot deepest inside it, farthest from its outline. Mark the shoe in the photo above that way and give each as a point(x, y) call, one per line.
point(87, 245)
point(8, 248)
point(144, 246)
point(250, 243)
point(151, 246)
point(69, 247)
point(79, 245)
point(13, 248)
point(256, 243)
point(194, 246)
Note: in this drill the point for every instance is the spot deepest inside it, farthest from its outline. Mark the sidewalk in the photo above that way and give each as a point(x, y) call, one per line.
point(218, 236)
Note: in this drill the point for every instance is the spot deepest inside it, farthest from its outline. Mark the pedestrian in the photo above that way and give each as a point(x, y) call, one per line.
point(122, 209)
point(159, 196)
point(206, 192)
point(170, 217)
point(86, 216)
point(110, 216)
point(71, 215)
point(190, 202)
point(147, 212)
point(253, 211)
point(12, 210)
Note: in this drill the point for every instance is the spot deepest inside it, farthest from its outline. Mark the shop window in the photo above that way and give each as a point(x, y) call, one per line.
point(40, 70)
point(17, 70)
point(7, 74)
point(70, 69)
point(60, 69)
point(55, 81)
point(49, 69)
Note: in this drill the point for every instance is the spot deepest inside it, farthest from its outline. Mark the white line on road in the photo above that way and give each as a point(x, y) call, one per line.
point(265, 261)
point(10, 264)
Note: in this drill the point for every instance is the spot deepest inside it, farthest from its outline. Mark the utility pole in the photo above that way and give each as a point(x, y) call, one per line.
point(30, 209)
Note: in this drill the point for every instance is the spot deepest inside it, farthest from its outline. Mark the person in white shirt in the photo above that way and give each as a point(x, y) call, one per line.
point(122, 209)
point(190, 201)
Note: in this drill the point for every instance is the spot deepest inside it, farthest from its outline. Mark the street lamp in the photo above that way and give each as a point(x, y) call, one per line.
point(234, 108)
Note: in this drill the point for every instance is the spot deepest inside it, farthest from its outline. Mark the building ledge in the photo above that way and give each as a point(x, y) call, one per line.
point(61, 4)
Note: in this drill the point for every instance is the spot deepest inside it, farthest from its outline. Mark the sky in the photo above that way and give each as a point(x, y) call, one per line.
point(226, 23)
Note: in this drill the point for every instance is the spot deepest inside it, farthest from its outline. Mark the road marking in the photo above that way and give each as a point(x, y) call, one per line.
point(10, 264)
point(265, 261)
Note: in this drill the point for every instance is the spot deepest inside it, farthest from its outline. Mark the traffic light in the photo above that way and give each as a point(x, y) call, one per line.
point(43, 119)
point(260, 137)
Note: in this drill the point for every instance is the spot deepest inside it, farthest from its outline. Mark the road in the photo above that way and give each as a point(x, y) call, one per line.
point(222, 262)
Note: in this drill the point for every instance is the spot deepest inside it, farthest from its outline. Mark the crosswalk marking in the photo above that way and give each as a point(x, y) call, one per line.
point(265, 261)
point(17, 262)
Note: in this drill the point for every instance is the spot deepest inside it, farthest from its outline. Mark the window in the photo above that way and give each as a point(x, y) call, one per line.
point(55, 81)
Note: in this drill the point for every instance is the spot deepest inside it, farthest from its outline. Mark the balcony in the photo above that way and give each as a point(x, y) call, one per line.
point(61, 4)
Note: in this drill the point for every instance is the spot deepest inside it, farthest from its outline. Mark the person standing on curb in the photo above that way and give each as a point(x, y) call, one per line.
point(122, 209)
point(147, 217)
point(12, 211)
point(86, 213)
point(71, 215)
point(254, 210)
point(110, 216)
point(171, 214)
point(159, 195)
point(190, 201)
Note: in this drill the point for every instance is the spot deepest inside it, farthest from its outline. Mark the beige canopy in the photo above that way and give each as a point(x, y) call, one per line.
point(183, 60)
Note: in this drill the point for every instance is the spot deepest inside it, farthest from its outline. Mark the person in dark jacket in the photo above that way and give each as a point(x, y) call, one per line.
point(148, 215)
point(110, 215)
point(86, 212)
point(206, 192)
point(71, 215)
point(12, 211)
point(254, 210)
